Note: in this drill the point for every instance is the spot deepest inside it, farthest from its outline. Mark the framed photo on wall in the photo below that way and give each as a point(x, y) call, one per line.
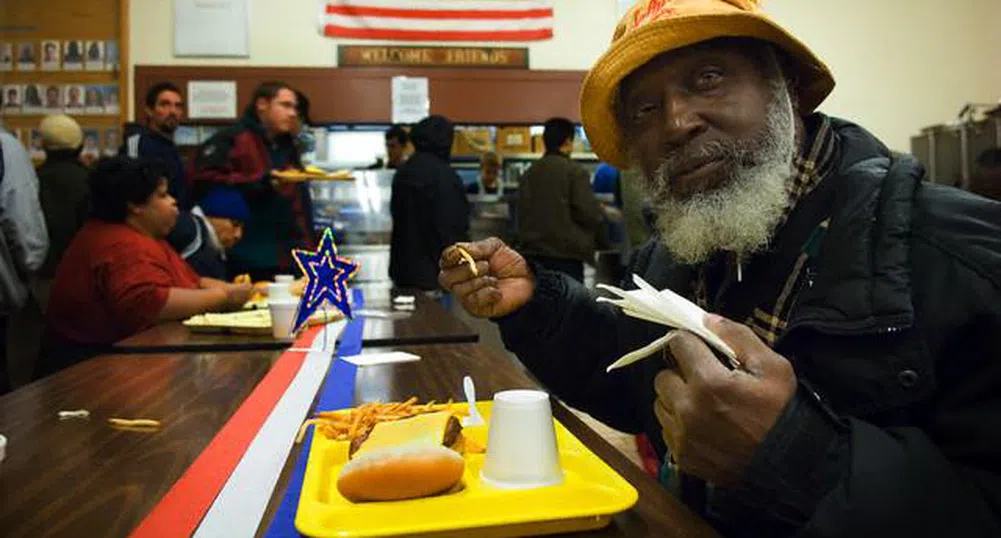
point(6, 56)
point(35, 145)
point(73, 56)
point(93, 101)
point(53, 98)
point(73, 99)
point(27, 56)
point(32, 99)
point(50, 56)
point(112, 141)
point(13, 100)
point(91, 143)
point(111, 55)
point(95, 56)
point(111, 103)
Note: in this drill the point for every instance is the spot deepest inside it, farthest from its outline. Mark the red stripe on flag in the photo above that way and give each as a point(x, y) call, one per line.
point(332, 30)
point(180, 511)
point(439, 14)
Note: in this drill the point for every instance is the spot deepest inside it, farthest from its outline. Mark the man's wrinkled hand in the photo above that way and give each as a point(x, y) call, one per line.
point(500, 284)
point(714, 418)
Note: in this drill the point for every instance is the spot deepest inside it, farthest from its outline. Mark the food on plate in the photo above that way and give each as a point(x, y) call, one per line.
point(250, 322)
point(311, 173)
point(397, 451)
point(403, 472)
point(260, 288)
point(404, 459)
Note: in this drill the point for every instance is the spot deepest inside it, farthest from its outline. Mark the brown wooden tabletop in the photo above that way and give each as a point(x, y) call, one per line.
point(429, 323)
point(81, 478)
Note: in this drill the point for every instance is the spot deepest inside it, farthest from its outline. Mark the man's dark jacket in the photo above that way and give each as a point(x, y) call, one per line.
point(64, 194)
point(141, 142)
point(192, 239)
point(429, 207)
point(895, 336)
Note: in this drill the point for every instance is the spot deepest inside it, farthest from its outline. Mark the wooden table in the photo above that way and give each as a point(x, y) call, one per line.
point(428, 324)
point(75, 478)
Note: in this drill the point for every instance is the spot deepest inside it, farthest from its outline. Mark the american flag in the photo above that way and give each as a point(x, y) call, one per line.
point(439, 20)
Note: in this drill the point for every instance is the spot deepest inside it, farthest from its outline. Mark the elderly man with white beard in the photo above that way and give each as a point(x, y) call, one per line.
point(862, 302)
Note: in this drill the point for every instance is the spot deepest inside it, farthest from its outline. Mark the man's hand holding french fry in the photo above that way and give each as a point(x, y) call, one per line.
point(488, 277)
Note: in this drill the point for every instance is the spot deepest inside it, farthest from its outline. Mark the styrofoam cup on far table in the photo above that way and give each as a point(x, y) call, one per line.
point(521, 442)
point(288, 279)
point(279, 291)
point(282, 315)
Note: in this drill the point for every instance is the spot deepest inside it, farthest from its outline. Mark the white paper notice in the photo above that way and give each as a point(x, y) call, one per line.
point(372, 359)
point(411, 99)
point(212, 28)
point(211, 99)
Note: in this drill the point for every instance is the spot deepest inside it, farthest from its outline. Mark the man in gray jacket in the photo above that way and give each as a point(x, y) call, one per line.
point(23, 238)
point(558, 215)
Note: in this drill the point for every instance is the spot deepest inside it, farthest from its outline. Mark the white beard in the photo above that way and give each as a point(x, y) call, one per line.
point(741, 215)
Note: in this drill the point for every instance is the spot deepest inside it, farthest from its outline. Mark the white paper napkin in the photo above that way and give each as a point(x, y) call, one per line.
point(372, 359)
point(665, 308)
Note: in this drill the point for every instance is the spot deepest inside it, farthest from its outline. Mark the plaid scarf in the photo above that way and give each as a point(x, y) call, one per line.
point(809, 168)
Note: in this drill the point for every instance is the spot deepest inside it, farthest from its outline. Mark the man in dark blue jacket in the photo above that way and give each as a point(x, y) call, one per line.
point(215, 225)
point(863, 304)
point(155, 140)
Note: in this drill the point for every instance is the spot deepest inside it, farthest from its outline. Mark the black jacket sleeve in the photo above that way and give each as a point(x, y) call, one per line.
point(936, 471)
point(567, 339)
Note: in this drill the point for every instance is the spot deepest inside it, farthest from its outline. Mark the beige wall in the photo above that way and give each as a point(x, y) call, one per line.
point(901, 65)
point(897, 69)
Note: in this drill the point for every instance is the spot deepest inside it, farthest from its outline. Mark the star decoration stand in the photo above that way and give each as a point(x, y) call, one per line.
point(326, 275)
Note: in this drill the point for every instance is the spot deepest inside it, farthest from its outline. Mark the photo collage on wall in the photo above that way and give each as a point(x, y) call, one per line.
point(59, 56)
point(55, 55)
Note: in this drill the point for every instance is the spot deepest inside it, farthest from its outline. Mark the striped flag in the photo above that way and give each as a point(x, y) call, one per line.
point(439, 20)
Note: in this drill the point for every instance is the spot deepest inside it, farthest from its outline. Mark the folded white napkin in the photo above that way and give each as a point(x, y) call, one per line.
point(372, 359)
point(666, 308)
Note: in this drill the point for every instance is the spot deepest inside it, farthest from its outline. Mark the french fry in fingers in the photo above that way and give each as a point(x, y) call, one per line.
point(467, 258)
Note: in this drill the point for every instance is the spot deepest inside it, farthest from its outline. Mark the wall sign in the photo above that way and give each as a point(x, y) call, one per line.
point(389, 55)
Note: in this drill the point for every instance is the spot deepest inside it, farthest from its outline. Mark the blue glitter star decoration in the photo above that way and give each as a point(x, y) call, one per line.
point(326, 275)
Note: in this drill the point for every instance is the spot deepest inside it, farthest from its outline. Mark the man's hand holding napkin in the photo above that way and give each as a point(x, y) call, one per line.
point(713, 417)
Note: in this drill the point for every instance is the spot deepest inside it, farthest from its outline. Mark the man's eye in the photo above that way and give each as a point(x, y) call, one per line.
point(643, 111)
point(709, 79)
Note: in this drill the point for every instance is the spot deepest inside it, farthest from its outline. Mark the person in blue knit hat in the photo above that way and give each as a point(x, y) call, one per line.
point(203, 235)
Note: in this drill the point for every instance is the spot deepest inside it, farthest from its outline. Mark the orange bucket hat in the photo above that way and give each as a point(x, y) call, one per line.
point(653, 27)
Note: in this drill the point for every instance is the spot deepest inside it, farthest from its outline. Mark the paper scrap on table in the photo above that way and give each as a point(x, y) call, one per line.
point(78, 413)
point(382, 314)
point(404, 299)
point(372, 359)
point(665, 308)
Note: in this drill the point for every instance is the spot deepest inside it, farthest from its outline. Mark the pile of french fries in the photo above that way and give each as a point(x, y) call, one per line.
point(349, 424)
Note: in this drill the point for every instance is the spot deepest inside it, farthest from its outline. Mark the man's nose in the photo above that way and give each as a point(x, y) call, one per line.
point(683, 119)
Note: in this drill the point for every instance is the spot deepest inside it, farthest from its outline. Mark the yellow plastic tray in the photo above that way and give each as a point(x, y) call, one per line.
point(590, 494)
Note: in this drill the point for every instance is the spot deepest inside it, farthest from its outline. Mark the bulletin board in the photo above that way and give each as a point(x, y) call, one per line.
point(76, 50)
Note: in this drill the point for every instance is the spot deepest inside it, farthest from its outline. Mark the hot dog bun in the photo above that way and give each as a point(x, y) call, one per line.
point(403, 472)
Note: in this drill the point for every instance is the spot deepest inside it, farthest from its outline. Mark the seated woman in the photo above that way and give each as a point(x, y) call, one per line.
point(119, 276)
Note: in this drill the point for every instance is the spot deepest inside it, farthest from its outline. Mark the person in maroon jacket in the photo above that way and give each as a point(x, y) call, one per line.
point(243, 157)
